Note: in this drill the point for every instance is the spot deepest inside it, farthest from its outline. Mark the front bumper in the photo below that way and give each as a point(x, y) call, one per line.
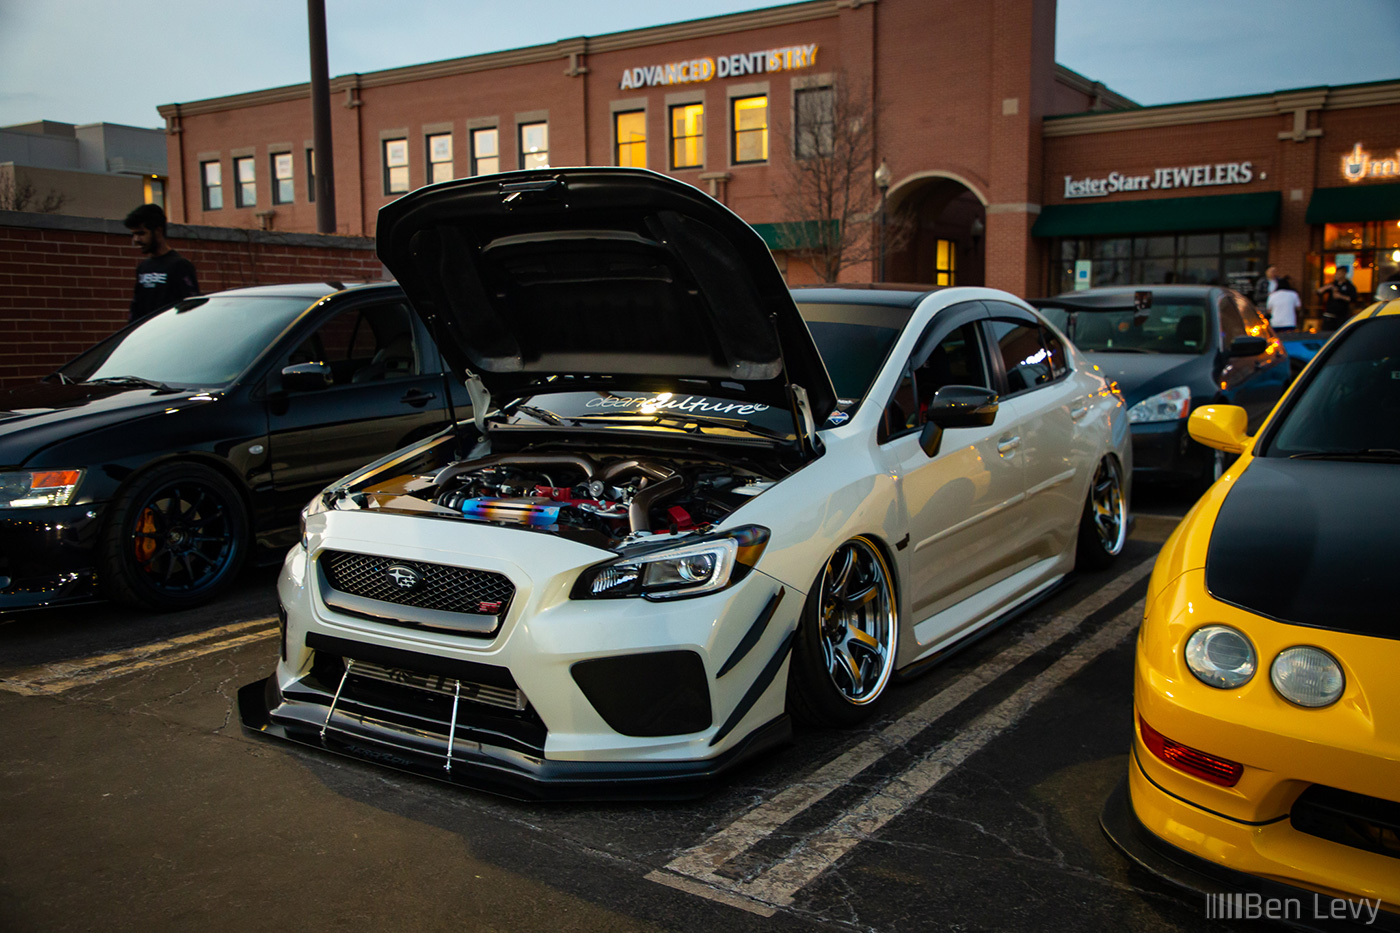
point(1263, 871)
point(566, 698)
point(1163, 450)
point(47, 555)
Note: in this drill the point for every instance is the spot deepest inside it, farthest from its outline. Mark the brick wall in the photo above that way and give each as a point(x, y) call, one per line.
point(66, 282)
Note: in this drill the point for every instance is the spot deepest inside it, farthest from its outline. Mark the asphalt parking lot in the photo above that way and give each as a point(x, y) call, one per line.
point(131, 798)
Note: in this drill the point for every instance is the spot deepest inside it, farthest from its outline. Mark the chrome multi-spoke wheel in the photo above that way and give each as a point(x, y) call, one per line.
point(846, 644)
point(1103, 530)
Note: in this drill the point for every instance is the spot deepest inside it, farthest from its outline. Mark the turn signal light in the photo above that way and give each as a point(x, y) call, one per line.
point(1193, 761)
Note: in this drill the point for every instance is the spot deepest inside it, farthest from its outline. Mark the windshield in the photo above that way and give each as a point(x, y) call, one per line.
point(201, 342)
point(853, 341)
point(1175, 327)
point(1350, 407)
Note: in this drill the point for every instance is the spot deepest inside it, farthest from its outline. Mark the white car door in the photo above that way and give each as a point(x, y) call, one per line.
point(1050, 402)
point(961, 503)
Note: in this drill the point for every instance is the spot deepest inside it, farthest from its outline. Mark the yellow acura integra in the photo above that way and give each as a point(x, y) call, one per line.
point(1266, 759)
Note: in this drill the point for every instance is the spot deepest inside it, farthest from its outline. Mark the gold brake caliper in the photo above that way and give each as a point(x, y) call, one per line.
point(146, 540)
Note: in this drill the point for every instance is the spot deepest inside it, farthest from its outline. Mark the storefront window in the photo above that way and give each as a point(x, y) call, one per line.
point(1370, 252)
point(946, 270)
point(1236, 258)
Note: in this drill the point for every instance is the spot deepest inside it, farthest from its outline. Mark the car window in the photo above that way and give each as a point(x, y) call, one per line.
point(1177, 326)
point(1231, 324)
point(1024, 356)
point(853, 353)
point(957, 359)
point(1059, 361)
point(200, 342)
point(364, 344)
point(1351, 403)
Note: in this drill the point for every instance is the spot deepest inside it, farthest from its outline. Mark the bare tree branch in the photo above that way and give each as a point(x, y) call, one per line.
point(20, 195)
point(828, 181)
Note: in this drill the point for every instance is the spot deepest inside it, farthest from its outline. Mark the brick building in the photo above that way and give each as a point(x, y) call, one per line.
point(1005, 168)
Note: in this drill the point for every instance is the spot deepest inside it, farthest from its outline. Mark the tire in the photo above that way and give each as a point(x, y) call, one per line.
point(1103, 526)
point(844, 651)
point(176, 538)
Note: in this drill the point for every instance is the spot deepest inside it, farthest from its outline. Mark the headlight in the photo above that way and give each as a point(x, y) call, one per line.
point(315, 506)
point(692, 568)
point(37, 489)
point(1307, 676)
point(1171, 405)
point(1220, 657)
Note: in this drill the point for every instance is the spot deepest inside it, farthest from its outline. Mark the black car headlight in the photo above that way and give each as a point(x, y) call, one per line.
point(692, 567)
point(38, 489)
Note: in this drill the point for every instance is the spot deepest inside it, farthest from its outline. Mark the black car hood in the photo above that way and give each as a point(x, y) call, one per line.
point(599, 274)
point(1143, 375)
point(1311, 542)
point(35, 416)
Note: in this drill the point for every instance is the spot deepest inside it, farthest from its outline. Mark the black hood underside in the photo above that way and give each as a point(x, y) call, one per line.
point(1311, 542)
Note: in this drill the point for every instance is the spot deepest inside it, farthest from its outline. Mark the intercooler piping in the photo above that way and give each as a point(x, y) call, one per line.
point(584, 463)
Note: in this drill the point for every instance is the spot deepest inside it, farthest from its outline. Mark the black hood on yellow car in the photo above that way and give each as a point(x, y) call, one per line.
point(1311, 542)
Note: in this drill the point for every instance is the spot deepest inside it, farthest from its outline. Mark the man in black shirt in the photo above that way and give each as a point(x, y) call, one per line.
point(1339, 294)
point(165, 276)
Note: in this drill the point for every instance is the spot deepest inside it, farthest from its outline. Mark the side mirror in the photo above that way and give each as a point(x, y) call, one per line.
point(963, 407)
point(1220, 426)
point(956, 407)
point(1248, 346)
point(306, 377)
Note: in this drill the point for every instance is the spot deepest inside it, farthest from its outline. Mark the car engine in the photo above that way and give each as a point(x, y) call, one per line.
point(618, 498)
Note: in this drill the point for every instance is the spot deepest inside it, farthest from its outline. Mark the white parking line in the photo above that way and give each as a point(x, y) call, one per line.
point(52, 679)
point(702, 862)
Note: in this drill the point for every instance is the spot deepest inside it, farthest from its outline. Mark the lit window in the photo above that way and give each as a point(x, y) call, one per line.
point(395, 166)
point(751, 129)
point(212, 174)
point(631, 130)
point(534, 145)
point(311, 174)
point(155, 191)
point(439, 158)
point(815, 118)
point(486, 152)
point(688, 136)
point(245, 173)
point(946, 264)
point(282, 192)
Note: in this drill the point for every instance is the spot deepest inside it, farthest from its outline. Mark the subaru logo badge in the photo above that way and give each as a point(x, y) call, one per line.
point(403, 576)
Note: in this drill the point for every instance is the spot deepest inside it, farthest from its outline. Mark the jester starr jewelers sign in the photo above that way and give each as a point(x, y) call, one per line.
point(1186, 176)
point(788, 58)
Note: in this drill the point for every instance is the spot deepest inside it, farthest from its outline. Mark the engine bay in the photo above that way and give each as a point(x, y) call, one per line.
point(605, 501)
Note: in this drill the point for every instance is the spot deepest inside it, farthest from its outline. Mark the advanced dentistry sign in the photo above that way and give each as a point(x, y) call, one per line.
point(788, 58)
point(1188, 176)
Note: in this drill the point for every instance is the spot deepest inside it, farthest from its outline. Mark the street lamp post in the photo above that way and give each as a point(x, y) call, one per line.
point(882, 181)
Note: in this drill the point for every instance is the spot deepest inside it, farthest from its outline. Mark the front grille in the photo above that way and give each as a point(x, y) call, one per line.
point(511, 699)
point(443, 588)
point(1354, 820)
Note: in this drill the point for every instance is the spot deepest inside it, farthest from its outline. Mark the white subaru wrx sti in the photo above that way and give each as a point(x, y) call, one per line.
point(687, 508)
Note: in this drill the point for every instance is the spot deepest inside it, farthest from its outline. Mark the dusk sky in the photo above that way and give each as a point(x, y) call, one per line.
point(85, 61)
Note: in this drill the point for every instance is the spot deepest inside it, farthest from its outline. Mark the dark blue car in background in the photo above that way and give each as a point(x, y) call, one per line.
point(1172, 348)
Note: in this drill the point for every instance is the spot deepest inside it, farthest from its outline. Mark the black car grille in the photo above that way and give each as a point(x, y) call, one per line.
point(444, 588)
point(1354, 820)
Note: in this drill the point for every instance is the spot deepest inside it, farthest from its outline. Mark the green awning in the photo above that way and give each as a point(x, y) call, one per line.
point(800, 234)
point(1353, 204)
point(1160, 215)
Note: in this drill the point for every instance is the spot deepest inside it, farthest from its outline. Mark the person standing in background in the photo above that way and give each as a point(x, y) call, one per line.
point(1283, 306)
point(1339, 294)
point(165, 276)
point(1266, 286)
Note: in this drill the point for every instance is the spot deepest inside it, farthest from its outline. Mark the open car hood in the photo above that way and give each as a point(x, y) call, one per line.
point(602, 276)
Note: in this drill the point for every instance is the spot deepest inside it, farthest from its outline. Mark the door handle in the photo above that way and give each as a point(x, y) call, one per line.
point(1079, 409)
point(1008, 444)
point(417, 397)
